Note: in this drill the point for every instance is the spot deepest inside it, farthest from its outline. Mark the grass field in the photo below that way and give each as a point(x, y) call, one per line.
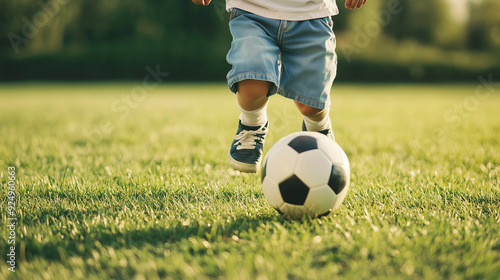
point(116, 184)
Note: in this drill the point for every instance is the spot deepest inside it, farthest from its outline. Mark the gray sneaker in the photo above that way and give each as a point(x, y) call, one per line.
point(246, 150)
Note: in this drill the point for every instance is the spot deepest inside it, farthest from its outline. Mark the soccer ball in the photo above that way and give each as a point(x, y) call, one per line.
point(305, 173)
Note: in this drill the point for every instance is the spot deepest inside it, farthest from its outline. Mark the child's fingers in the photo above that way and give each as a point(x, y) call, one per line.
point(352, 4)
point(348, 4)
point(202, 2)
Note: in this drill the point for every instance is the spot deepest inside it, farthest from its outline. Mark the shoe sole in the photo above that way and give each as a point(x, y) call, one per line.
point(241, 166)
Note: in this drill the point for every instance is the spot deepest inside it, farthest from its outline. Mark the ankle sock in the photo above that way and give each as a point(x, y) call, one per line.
point(255, 117)
point(323, 124)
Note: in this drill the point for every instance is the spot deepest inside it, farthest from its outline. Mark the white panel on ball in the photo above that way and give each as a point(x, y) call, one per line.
point(272, 192)
point(281, 167)
point(313, 168)
point(320, 200)
point(293, 210)
point(331, 150)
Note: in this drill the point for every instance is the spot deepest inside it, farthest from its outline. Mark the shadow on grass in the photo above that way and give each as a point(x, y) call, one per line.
point(222, 229)
point(57, 249)
point(61, 210)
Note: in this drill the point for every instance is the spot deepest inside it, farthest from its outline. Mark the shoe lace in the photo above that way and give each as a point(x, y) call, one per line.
point(248, 139)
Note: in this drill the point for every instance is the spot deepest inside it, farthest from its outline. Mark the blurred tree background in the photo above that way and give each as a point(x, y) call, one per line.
point(386, 40)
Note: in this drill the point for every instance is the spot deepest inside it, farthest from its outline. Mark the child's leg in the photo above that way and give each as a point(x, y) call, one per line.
point(252, 94)
point(254, 74)
point(246, 150)
point(312, 113)
point(316, 119)
point(252, 101)
point(308, 56)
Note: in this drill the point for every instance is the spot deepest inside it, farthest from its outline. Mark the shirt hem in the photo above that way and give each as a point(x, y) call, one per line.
point(300, 16)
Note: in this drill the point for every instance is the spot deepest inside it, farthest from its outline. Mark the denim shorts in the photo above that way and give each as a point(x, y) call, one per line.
point(297, 57)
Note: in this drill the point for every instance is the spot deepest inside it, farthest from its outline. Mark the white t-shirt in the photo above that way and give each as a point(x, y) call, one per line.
point(286, 9)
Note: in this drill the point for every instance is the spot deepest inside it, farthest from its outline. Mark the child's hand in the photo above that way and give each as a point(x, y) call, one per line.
point(352, 4)
point(202, 2)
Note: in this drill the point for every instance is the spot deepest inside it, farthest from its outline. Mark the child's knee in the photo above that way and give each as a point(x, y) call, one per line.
point(254, 89)
point(309, 111)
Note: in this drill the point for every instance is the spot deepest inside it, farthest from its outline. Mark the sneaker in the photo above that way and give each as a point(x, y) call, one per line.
point(328, 132)
point(246, 150)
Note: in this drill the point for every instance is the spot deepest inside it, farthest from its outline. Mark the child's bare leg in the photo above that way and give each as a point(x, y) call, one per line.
point(312, 113)
point(252, 94)
point(252, 100)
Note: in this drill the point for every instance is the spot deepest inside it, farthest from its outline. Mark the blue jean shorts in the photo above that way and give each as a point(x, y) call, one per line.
point(297, 57)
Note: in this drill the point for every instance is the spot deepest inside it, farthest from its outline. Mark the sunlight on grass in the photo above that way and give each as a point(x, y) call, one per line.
point(115, 186)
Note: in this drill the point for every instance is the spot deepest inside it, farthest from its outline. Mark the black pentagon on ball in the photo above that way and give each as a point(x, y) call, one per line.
point(303, 143)
point(294, 191)
point(337, 179)
point(279, 211)
point(324, 214)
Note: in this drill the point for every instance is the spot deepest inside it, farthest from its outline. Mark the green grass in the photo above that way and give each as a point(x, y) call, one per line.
point(151, 196)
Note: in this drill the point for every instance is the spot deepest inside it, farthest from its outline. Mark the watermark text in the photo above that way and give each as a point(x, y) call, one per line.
point(11, 218)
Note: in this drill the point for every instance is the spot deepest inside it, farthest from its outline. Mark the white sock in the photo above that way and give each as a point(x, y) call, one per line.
point(323, 124)
point(255, 117)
